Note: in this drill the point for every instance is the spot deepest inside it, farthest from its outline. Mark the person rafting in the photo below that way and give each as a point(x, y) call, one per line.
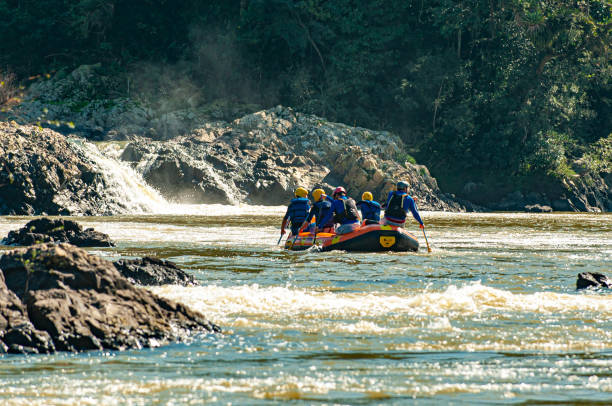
point(397, 206)
point(344, 212)
point(319, 210)
point(296, 211)
point(370, 209)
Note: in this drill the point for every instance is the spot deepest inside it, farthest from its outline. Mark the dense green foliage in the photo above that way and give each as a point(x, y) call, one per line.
point(493, 91)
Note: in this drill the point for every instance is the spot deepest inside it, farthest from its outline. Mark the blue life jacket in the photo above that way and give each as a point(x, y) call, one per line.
point(370, 210)
point(323, 207)
point(322, 210)
point(297, 211)
point(345, 211)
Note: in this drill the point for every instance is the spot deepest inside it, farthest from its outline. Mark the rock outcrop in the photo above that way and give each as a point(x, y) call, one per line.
point(150, 271)
point(44, 230)
point(262, 157)
point(593, 280)
point(59, 297)
point(42, 172)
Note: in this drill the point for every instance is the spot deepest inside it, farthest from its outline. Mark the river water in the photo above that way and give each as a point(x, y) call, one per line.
point(490, 316)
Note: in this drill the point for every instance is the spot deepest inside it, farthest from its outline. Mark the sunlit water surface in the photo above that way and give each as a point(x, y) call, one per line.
point(490, 316)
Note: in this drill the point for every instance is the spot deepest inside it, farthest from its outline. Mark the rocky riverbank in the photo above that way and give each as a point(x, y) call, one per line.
point(204, 154)
point(262, 157)
point(258, 159)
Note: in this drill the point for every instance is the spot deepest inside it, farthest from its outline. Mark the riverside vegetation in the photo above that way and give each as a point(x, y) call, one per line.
point(508, 103)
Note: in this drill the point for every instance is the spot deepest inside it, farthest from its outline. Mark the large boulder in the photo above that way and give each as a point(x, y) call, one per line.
point(83, 303)
point(593, 280)
point(57, 230)
point(262, 157)
point(149, 271)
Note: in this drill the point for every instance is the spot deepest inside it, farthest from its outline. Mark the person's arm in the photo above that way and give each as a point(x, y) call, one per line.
point(409, 202)
point(285, 221)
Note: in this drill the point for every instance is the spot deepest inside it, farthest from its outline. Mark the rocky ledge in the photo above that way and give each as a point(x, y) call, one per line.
point(262, 157)
point(257, 159)
point(57, 230)
point(60, 298)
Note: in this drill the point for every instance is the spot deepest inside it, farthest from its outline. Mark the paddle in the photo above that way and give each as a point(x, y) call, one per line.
point(295, 239)
point(427, 242)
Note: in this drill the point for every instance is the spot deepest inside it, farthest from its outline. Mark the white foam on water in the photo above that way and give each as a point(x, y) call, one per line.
point(469, 300)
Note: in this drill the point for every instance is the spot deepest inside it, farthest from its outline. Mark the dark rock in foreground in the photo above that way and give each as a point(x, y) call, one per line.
point(59, 297)
point(56, 231)
point(593, 280)
point(153, 271)
point(17, 334)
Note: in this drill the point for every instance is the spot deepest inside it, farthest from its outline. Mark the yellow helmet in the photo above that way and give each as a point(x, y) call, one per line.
point(301, 192)
point(367, 196)
point(317, 193)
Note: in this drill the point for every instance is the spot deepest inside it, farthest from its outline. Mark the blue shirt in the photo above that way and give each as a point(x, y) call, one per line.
point(409, 205)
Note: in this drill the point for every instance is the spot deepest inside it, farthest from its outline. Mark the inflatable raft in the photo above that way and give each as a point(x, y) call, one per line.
point(370, 238)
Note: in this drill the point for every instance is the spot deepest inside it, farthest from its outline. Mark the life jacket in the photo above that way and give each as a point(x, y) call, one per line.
point(298, 211)
point(370, 210)
point(349, 214)
point(395, 208)
point(323, 207)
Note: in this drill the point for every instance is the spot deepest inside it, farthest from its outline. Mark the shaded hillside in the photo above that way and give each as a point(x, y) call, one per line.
point(495, 97)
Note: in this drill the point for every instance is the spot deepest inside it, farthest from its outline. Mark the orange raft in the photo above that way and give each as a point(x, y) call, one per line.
point(370, 238)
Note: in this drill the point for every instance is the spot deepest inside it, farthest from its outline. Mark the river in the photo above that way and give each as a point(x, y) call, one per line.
point(490, 316)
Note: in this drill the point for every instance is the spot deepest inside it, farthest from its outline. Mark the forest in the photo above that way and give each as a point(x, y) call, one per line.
point(506, 93)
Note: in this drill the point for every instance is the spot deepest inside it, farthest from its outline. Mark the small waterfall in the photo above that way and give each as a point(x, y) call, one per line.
point(126, 190)
point(128, 193)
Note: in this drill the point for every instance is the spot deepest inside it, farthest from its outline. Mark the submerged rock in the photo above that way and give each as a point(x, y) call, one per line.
point(153, 271)
point(593, 280)
point(81, 302)
point(538, 208)
point(57, 230)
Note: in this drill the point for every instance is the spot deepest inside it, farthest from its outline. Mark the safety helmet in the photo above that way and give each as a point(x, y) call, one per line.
point(301, 192)
point(339, 190)
point(317, 193)
point(402, 185)
point(367, 196)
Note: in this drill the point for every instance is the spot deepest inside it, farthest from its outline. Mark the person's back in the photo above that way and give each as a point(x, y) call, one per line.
point(370, 209)
point(321, 210)
point(297, 211)
point(398, 204)
point(344, 212)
